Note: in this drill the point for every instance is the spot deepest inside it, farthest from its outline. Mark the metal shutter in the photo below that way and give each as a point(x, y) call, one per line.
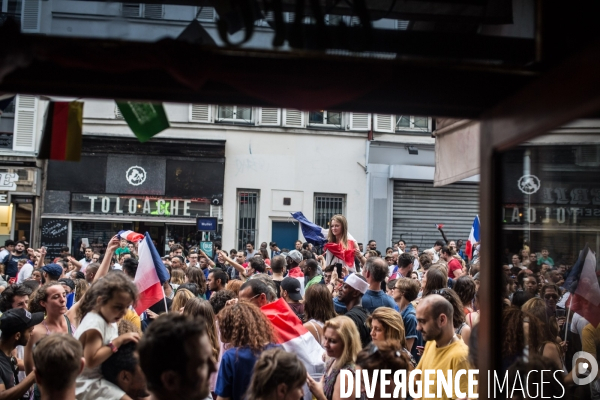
point(418, 207)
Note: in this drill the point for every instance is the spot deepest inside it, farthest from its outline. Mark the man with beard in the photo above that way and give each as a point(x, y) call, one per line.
point(17, 325)
point(176, 358)
point(11, 260)
point(217, 279)
point(443, 349)
point(351, 295)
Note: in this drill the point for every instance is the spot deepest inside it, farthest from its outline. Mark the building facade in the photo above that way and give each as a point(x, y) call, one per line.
point(249, 167)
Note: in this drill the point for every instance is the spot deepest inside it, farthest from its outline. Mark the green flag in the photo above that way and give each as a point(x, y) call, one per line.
point(144, 119)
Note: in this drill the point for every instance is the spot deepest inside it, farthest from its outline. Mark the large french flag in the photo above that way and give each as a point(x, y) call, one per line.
point(582, 282)
point(295, 338)
point(131, 236)
point(473, 238)
point(150, 275)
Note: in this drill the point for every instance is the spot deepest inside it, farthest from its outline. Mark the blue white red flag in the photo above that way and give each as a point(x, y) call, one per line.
point(312, 232)
point(582, 282)
point(130, 236)
point(295, 338)
point(150, 276)
point(473, 238)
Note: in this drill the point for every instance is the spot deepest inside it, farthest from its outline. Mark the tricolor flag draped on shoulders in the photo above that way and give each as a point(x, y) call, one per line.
point(150, 275)
point(473, 238)
point(582, 282)
point(295, 338)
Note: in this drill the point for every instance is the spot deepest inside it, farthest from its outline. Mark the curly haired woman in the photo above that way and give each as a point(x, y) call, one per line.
point(248, 332)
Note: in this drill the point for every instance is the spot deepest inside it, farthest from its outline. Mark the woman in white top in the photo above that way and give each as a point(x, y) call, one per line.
point(318, 309)
point(340, 248)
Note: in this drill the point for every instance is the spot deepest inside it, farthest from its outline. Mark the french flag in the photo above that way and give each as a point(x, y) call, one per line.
point(312, 232)
point(131, 236)
point(150, 275)
point(473, 238)
point(295, 338)
point(583, 285)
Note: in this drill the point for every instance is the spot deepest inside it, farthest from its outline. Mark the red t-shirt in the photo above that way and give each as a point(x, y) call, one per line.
point(453, 265)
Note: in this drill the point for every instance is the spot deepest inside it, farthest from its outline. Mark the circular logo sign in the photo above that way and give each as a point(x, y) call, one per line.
point(529, 184)
point(135, 175)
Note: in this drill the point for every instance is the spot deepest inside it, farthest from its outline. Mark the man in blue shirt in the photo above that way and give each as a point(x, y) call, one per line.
point(375, 271)
point(405, 292)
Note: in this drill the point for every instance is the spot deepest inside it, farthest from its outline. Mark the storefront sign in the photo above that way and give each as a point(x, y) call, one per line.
point(206, 224)
point(139, 205)
point(55, 234)
point(4, 199)
point(8, 181)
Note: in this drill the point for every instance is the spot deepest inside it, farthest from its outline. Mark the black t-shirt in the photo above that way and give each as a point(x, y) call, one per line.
point(359, 315)
point(8, 374)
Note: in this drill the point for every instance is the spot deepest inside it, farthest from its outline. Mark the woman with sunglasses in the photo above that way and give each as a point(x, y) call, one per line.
point(386, 355)
point(341, 341)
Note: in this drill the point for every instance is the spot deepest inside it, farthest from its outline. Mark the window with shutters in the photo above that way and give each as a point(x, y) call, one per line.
point(25, 131)
point(326, 206)
point(140, 10)
point(201, 113)
point(326, 119)
point(412, 123)
point(205, 14)
point(30, 16)
point(293, 118)
point(235, 114)
point(247, 221)
point(358, 122)
point(402, 24)
point(268, 116)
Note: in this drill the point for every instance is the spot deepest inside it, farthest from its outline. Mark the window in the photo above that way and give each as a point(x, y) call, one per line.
point(330, 119)
point(247, 227)
point(235, 114)
point(138, 10)
point(412, 123)
point(326, 206)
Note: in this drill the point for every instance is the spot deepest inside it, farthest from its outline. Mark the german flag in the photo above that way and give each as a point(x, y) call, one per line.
point(62, 135)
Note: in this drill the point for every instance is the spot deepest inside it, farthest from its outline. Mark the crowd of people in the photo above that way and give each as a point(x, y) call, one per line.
point(69, 330)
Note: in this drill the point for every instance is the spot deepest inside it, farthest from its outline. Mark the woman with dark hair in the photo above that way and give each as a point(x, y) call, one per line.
point(277, 375)
point(318, 309)
point(549, 347)
point(465, 289)
point(520, 297)
point(264, 254)
point(433, 279)
point(386, 355)
point(521, 335)
point(196, 275)
point(248, 332)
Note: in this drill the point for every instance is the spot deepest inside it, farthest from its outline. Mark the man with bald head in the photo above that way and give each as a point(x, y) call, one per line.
point(443, 349)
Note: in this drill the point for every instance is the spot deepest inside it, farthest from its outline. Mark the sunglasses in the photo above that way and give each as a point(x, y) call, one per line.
point(551, 296)
point(439, 291)
point(374, 349)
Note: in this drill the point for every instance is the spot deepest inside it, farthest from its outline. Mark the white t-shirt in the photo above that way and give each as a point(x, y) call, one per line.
point(436, 257)
point(25, 273)
point(109, 332)
point(3, 254)
point(84, 264)
point(577, 324)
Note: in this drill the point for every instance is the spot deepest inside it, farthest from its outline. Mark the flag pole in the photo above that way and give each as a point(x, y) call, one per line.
point(164, 298)
point(568, 313)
